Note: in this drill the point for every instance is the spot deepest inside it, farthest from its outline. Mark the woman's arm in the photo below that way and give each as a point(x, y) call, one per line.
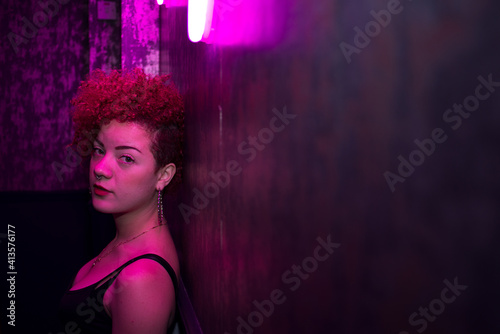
point(142, 299)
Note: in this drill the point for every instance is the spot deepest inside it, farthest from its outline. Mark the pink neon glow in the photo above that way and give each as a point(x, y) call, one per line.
point(160, 2)
point(199, 19)
point(252, 23)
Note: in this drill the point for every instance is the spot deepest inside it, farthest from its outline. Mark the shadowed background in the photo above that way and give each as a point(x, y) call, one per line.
point(320, 176)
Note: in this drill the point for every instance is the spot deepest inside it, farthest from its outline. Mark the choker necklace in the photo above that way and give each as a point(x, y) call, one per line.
point(123, 242)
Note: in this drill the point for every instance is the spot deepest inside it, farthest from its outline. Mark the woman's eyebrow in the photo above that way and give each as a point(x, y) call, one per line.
point(99, 142)
point(121, 147)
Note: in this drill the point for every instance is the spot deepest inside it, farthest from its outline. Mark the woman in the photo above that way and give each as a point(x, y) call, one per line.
point(135, 124)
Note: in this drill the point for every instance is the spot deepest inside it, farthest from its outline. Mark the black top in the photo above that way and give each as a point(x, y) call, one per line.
point(83, 309)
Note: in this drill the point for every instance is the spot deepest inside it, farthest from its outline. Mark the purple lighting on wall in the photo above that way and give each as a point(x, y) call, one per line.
point(250, 23)
point(236, 22)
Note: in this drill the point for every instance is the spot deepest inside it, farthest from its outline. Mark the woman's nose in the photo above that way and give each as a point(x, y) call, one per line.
point(102, 168)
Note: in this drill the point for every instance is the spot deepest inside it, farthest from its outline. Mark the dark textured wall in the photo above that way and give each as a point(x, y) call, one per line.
point(399, 239)
point(140, 37)
point(105, 50)
point(44, 56)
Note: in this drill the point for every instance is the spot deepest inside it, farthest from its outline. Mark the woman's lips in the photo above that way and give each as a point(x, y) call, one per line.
point(100, 191)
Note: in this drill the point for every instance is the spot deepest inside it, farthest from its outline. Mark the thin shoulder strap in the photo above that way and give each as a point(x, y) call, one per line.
point(150, 256)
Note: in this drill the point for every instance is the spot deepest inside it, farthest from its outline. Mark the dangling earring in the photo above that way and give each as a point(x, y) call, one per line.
point(160, 208)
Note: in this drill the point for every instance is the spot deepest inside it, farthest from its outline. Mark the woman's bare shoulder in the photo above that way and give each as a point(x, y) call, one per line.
point(146, 298)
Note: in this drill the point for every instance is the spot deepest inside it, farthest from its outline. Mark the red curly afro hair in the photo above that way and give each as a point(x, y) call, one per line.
point(132, 96)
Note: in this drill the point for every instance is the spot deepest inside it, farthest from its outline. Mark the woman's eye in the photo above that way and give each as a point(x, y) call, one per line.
point(127, 159)
point(97, 151)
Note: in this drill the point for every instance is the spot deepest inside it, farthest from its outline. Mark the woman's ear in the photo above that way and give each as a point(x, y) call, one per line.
point(165, 175)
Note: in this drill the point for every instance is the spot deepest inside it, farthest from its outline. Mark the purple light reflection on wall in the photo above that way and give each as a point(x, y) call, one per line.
point(249, 23)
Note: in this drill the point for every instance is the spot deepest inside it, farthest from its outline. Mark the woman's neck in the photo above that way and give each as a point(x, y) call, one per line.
point(131, 224)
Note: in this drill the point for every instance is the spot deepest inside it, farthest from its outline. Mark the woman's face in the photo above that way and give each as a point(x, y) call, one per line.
point(122, 169)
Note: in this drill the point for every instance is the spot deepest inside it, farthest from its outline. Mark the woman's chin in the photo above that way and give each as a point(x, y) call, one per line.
point(102, 207)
